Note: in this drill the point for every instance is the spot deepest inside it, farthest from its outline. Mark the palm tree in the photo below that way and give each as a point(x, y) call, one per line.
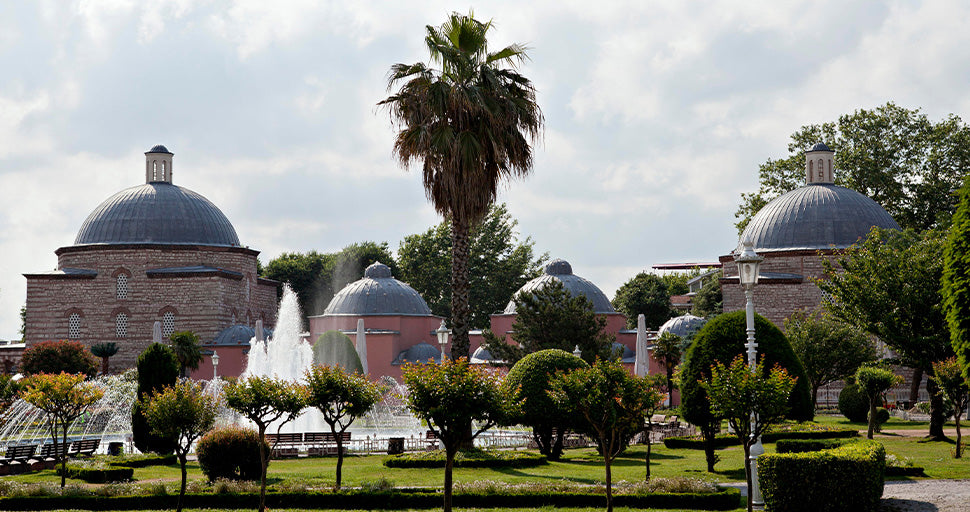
point(104, 350)
point(470, 122)
point(187, 351)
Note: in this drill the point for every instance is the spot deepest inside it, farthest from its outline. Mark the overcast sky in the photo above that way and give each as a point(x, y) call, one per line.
point(657, 114)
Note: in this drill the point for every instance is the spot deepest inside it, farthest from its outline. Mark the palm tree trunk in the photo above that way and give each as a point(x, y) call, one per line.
point(460, 311)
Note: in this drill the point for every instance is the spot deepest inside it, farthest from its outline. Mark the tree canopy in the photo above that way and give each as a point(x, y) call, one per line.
point(58, 356)
point(645, 294)
point(956, 281)
point(468, 124)
point(498, 265)
point(897, 156)
point(188, 350)
point(709, 302)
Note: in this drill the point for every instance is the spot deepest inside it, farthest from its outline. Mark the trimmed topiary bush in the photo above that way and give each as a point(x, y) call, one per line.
point(528, 380)
point(809, 445)
point(853, 404)
point(848, 478)
point(467, 459)
point(882, 416)
point(230, 452)
point(157, 367)
point(97, 472)
point(334, 348)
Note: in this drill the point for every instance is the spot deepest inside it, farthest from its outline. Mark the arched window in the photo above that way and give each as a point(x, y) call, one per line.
point(811, 167)
point(121, 325)
point(121, 286)
point(168, 324)
point(74, 326)
point(821, 167)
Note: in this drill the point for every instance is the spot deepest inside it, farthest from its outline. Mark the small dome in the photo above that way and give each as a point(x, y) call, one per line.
point(157, 213)
point(238, 335)
point(482, 355)
point(420, 353)
point(821, 147)
point(158, 148)
point(813, 217)
point(378, 293)
point(562, 271)
point(682, 326)
point(625, 353)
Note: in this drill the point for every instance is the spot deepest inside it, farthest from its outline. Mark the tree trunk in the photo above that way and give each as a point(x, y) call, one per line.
point(609, 478)
point(937, 420)
point(648, 455)
point(556, 452)
point(340, 458)
point(63, 456)
point(449, 465)
point(670, 385)
point(914, 386)
point(263, 463)
point(707, 432)
point(815, 387)
point(460, 312)
point(747, 472)
point(182, 463)
point(872, 415)
point(959, 437)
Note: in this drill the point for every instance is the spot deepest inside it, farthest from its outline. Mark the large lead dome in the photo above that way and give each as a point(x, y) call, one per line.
point(157, 212)
point(562, 271)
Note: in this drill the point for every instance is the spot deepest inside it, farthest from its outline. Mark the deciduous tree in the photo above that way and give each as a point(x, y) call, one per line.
point(469, 124)
point(708, 302)
point(62, 397)
point(647, 295)
point(955, 389)
point(956, 281)
point(873, 382)
point(341, 397)
point(58, 356)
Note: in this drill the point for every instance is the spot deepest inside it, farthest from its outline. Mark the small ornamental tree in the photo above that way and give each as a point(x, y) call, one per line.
point(551, 317)
point(610, 403)
point(528, 384)
point(104, 350)
point(183, 412)
point(342, 398)
point(451, 396)
point(188, 351)
point(750, 401)
point(263, 401)
point(955, 388)
point(157, 369)
point(667, 350)
point(828, 349)
point(873, 382)
point(57, 357)
point(62, 397)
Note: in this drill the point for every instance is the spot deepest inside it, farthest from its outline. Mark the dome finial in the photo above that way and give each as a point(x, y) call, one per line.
point(158, 165)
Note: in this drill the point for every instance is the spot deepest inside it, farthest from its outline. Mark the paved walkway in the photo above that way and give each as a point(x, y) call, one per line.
point(916, 495)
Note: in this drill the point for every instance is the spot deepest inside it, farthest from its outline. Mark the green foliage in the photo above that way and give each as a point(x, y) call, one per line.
point(708, 302)
point(552, 318)
point(104, 350)
point(803, 430)
point(848, 478)
point(873, 382)
point(188, 351)
point(956, 280)
point(528, 384)
point(230, 452)
point(57, 357)
point(157, 368)
point(467, 459)
point(901, 159)
point(677, 281)
point(829, 350)
point(341, 398)
point(645, 294)
point(336, 348)
point(96, 473)
point(954, 387)
point(668, 350)
point(809, 445)
point(853, 404)
point(882, 416)
point(9, 391)
point(498, 265)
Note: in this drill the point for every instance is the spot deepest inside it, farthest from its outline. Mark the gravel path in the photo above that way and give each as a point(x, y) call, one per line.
point(927, 496)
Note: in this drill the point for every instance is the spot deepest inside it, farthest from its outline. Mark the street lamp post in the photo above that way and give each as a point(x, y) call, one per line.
point(442, 333)
point(215, 364)
point(748, 262)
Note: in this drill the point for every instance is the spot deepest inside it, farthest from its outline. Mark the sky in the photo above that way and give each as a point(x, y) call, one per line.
point(657, 114)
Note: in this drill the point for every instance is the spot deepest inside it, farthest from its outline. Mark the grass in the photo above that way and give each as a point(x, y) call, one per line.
point(893, 423)
point(543, 509)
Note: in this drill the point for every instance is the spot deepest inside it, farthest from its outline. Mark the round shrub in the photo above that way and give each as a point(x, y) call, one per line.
point(230, 452)
point(882, 415)
point(528, 380)
point(853, 404)
point(57, 357)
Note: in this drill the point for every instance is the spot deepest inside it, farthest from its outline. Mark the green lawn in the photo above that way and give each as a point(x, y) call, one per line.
point(893, 423)
point(544, 509)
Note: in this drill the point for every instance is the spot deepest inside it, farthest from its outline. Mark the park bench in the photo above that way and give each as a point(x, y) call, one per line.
point(15, 460)
point(48, 457)
point(325, 443)
point(85, 447)
point(431, 440)
point(285, 445)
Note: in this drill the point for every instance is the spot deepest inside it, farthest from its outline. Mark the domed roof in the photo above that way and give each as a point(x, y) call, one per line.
point(378, 293)
point(622, 352)
point(482, 355)
point(420, 353)
point(821, 147)
point(682, 326)
point(157, 213)
point(238, 335)
point(562, 271)
point(158, 148)
point(816, 216)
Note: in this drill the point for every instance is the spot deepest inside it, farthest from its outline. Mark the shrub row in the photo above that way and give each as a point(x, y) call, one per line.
point(725, 499)
point(97, 474)
point(848, 478)
point(808, 445)
point(467, 459)
point(722, 440)
point(143, 460)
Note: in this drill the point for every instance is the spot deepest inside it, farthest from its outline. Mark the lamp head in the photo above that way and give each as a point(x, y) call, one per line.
point(748, 262)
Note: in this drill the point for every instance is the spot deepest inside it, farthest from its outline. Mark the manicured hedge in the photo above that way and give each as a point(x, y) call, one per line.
point(467, 459)
point(97, 474)
point(722, 440)
point(848, 478)
point(905, 471)
point(808, 445)
point(143, 460)
point(725, 499)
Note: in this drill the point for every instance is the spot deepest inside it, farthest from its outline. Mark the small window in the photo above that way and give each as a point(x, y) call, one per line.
point(168, 324)
point(121, 325)
point(121, 286)
point(74, 326)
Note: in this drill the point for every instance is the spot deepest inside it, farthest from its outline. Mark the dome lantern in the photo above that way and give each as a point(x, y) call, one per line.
point(158, 165)
point(818, 165)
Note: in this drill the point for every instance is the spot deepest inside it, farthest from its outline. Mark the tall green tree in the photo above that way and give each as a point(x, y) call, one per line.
point(645, 294)
point(829, 350)
point(897, 156)
point(499, 264)
point(551, 317)
point(469, 124)
point(956, 280)
point(708, 302)
point(158, 368)
point(750, 401)
point(677, 281)
point(449, 397)
point(188, 350)
point(889, 286)
point(955, 389)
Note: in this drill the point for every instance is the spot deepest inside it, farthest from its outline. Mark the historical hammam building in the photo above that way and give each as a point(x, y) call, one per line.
point(156, 252)
point(794, 233)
